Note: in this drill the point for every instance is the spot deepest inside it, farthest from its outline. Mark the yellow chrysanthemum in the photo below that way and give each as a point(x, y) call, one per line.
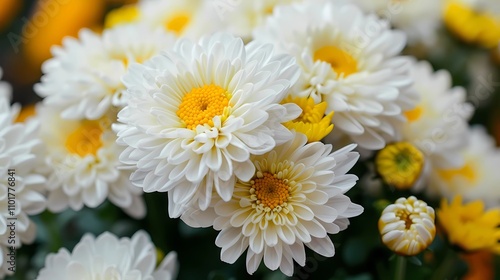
point(400, 164)
point(469, 226)
point(480, 27)
point(312, 122)
point(407, 226)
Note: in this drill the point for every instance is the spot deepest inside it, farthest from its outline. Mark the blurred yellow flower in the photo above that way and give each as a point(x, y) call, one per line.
point(400, 164)
point(312, 121)
point(52, 21)
point(469, 226)
point(8, 10)
point(407, 226)
point(125, 14)
point(472, 26)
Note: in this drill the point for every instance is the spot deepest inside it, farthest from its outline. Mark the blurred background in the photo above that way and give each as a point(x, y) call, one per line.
point(29, 28)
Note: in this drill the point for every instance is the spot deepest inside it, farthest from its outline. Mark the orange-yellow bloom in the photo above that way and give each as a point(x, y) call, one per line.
point(53, 20)
point(469, 226)
point(312, 122)
point(479, 27)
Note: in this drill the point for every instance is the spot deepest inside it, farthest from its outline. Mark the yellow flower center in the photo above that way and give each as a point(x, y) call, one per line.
point(178, 22)
point(404, 215)
point(467, 171)
point(342, 62)
point(86, 139)
point(270, 190)
point(201, 105)
point(415, 114)
point(400, 164)
point(312, 121)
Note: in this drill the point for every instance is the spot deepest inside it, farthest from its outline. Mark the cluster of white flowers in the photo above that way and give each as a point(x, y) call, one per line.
point(21, 188)
point(166, 103)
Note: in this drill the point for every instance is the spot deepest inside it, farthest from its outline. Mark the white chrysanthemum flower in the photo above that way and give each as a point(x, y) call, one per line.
point(197, 113)
point(407, 226)
point(107, 257)
point(478, 177)
point(81, 165)
point(437, 126)
point(21, 187)
point(83, 79)
point(349, 64)
point(420, 20)
point(241, 17)
point(296, 197)
point(186, 18)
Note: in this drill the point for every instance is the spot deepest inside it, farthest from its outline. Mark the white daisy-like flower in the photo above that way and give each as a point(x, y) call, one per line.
point(295, 197)
point(355, 68)
point(478, 177)
point(437, 126)
point(21, 187)
point(197, 113)
point(407, 226)
point(83, 79)
point(241, 17)
point(186, 18)
point(420, 20)
point(107, 257)
point(81, 164)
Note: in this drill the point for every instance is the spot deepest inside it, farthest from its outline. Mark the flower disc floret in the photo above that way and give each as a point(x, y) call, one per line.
point(201, 105)
point(270, 191)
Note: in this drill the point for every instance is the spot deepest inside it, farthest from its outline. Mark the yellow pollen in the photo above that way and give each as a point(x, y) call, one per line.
point(201, 105)
point(467, 171)
point(270, 191)
point(342, 62)
point(86, 139)
point(415, 114)
point(177, 23)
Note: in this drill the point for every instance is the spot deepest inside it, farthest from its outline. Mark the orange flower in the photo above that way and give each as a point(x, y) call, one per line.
point(8, 10)
point(53, 20)
point(480, 265)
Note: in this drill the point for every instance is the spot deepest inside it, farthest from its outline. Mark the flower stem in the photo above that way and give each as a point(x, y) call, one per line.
point(400, 268)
